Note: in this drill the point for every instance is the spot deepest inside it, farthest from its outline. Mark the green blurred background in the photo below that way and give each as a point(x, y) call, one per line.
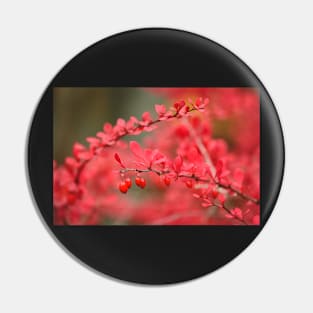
point(81, 112)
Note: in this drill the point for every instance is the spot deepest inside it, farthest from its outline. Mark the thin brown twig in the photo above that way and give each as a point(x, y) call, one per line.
point(194, 177)
point(231, 213)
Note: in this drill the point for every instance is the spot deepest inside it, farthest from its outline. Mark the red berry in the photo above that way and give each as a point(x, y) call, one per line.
point(138, 181)
point(123, 187)
point(128, 182)
point(167, 181)
point(189, 183)
point(142, 183)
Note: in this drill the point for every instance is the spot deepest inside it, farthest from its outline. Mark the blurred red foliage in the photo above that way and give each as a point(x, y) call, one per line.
point(198, 166)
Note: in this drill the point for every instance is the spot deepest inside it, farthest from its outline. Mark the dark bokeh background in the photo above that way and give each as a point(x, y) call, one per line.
point(81, 112)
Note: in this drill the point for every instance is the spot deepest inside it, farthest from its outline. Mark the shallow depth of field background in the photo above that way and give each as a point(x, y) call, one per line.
point(81, 112)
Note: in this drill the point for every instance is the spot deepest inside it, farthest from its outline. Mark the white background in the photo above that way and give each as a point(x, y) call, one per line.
point(274, 38)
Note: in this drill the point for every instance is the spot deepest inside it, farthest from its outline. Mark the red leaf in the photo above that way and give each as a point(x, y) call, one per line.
point(239, 176)
point(121, 123)
point(221, 198)
point(207, 203)
point(146, 117)
point(256, 220)
point(107, 128)
point(92, 140)
point(177, 164)
point(136, 149)
point(77, 148)
point(219, 168)
point(118, 159)
point(200, 104)
point(237, 212)
point(84, 155)
point(160, 109)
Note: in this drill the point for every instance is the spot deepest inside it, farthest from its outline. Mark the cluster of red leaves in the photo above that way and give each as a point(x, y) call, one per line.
point(185, 172)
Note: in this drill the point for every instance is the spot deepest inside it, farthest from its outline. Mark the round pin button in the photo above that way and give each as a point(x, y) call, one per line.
point(155, 156)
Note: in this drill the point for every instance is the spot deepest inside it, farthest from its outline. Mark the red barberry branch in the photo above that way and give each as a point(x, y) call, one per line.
point(176, 216)
point(134, 127)
point(239, 193)
point(212, 168)
point(195, 178)
point(231, 212)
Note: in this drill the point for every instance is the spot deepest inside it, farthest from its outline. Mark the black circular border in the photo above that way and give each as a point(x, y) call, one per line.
point(155, 57)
